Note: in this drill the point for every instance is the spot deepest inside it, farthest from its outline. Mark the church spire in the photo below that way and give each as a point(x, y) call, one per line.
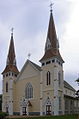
point(52, 44)
point(11, 54)
point(11, 58)
point(52, 41)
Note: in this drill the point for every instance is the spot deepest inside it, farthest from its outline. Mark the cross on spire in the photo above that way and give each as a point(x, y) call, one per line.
point(29, 54)
point(51, 4)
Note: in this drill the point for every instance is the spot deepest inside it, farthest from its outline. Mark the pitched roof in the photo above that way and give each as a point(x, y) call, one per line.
point(11, 58)
point(11, 68)
point(52, 32)
point(37, 66)
point(11, 53)
point(67, 85)
point(52, 53)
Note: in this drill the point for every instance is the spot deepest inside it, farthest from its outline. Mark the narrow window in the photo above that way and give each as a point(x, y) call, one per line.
point(29, 91)
point(48, 78)
point(48, 62)
point(6, 86)
point(59, 103)
point(59, 78)
point(43, 64)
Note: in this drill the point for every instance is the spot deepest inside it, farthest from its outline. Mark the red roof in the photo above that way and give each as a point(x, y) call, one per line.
point(53, 50)
point(11, 60)
point(51, 53)
point(11, 68)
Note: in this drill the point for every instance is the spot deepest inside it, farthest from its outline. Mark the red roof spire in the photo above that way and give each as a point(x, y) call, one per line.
point(11, 54)
point(51, 36)
point(52, 44)
point(11, 58)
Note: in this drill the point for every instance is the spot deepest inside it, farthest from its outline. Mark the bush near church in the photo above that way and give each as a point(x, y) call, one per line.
point(3, 115)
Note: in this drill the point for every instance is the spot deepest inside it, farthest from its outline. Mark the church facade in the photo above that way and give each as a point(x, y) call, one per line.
point(38, 90)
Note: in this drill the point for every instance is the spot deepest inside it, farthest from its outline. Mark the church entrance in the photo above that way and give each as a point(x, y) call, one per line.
point(24, 111)
point(48, 106)
point(7, 110)
point(48, 109)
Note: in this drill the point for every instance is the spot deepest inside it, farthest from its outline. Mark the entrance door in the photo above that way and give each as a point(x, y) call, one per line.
point(24, 111)
point(6, 109)
point(48, 109)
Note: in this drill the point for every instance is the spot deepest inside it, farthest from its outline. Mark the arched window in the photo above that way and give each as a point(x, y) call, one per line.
point(59, 78)
point(60, 103)
point(29, 91)
point(48, 78)
point(6, 86)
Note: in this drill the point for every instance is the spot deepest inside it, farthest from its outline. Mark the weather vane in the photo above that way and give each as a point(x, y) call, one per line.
point(29, 54)
point(51, 4)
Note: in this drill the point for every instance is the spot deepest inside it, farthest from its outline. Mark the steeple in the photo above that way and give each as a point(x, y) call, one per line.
point(52, 44)
point(11, 58)
point(11, 54)
point(51, 35)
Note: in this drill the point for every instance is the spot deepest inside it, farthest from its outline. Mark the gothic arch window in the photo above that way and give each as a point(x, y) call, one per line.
point(48, 44)
point(29, 91)
point(60, 103)
point(59, 78)
point(6, 86)
point(48, 78)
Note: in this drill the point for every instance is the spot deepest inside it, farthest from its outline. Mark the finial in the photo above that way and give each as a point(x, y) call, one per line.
point(12, 31)
point(29, 54)
point(51, 4)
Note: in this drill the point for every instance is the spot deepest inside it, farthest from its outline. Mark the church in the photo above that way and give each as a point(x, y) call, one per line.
point(38, 90)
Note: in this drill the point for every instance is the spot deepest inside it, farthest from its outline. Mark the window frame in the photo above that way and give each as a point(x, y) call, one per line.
point(48, 78)
point(29, 91)
point(6, 87)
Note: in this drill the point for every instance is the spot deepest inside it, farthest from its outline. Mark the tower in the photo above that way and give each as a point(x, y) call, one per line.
point(9, 75)
point(52, 100)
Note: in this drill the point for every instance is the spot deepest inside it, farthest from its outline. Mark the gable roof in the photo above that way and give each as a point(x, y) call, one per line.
point(38, 68)
point(67, 85)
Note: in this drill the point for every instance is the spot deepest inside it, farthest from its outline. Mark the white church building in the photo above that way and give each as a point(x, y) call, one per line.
point(38, 90)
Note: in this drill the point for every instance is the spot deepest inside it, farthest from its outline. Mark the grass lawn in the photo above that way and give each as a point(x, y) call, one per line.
point(52, 117)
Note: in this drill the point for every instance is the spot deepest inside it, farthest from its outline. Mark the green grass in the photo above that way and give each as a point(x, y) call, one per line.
point(53, 117)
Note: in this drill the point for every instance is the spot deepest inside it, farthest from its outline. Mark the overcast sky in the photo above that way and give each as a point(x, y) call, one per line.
point(30, 19)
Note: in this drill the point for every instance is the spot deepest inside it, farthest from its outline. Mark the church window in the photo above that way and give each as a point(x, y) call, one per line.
point(43, 64)
point(12, 74)
point(48, 62)
point(6, 74)
point(9, 73)
point(29, 91)
point(59, 103)
point(59, 78)
point(48, 78)
point(53, 61)
point(15, 75)
point(6, 86)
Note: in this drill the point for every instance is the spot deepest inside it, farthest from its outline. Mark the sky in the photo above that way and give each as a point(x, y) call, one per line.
point(30, 19)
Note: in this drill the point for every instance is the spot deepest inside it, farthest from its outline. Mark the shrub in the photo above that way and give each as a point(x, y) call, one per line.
point(3, 115)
